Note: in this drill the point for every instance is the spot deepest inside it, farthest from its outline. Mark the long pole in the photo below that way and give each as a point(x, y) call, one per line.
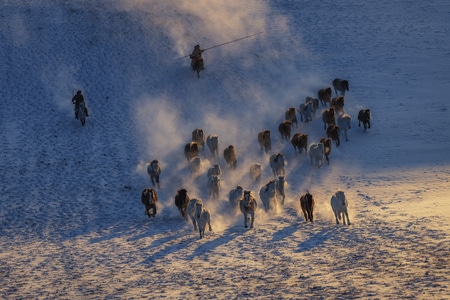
point(245, 37)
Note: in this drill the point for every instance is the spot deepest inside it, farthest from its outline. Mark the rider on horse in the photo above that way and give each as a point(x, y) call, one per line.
point(77, 99)
point(196, 58)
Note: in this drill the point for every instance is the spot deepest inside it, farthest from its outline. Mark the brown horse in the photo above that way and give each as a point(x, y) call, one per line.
point(364, 117)
point(291, 115)
point(300, 141)
point(264, 140)
point(334, 132)
point(328, 117)
point(307, 205)
point(340, 85)
point(149, 199)
point(338, 104)
point(285, 130)
point(199, 136)
point(181, 202)
point(198, 66)
point(230, 156)
point(191, 150)
point(326, 148)
point(324, 95)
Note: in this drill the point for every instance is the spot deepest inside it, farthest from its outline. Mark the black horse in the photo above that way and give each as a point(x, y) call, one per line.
point(364, 117)
point(182, 201)
point(307, 205)
point(198, 66)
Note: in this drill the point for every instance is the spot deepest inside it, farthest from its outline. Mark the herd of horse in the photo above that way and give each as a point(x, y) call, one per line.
point(272, 194)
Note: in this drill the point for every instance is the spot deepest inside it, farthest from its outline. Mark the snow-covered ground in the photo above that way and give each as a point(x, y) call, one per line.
point(72, 225)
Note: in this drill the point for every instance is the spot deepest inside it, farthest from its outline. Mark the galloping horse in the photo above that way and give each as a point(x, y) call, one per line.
point(198, 136)
point(268, 195)
point(277, 163)
point(285, 130)
point(300, 141)
point(344, 123)
point(324, 95)
point(213, 144)
point(149, 199)
point(340, 85)
point(307, 205)
point(339, 205)
point(248, 207)
point(198, 66)
point(264, 140)
point(181, 201)
point(153, 169)
point(200, 216)
point(334, 133)
point(364, 117)
point(230, 156)
point(328, 117)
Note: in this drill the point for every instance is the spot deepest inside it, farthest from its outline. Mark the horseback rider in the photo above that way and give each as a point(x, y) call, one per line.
point(196, 57)
point(77, 99)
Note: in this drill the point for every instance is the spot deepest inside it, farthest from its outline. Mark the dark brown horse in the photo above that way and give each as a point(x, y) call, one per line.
point(307, 205)
point(291, 115)
point(364, 117)
point(230, 156)
point(198, 66)
point(340, 85)
point(300, 141)
point(149, 199)
point(328, 117)
point(326, 148)
point(338, 104)
point(191, 150)
point(264, 140)
point(334, 133)
point(182, 201)
point(285, 130)
point(324, 95)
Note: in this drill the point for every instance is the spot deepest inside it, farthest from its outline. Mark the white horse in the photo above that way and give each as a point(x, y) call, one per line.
point(82, 113)
point(344, 123)
point(248, 207)
point(339, 205)
point(306, 110)
point(268, 195)
point(153, 170)
point(277, 163)
point(213, 144)
point(191, 210)
point(202, 217)
point(316, 153)
point(234, 196)
point(214, 186)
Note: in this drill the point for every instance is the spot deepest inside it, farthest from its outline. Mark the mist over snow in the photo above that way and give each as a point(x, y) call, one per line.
point(72, 225)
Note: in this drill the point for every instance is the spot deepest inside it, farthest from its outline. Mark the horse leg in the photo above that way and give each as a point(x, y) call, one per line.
point(253, 219)
point(152, 180)
point(306, 216)
point(245, 220)
point(345, 214)
point(336, 216)
point(195, 223)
